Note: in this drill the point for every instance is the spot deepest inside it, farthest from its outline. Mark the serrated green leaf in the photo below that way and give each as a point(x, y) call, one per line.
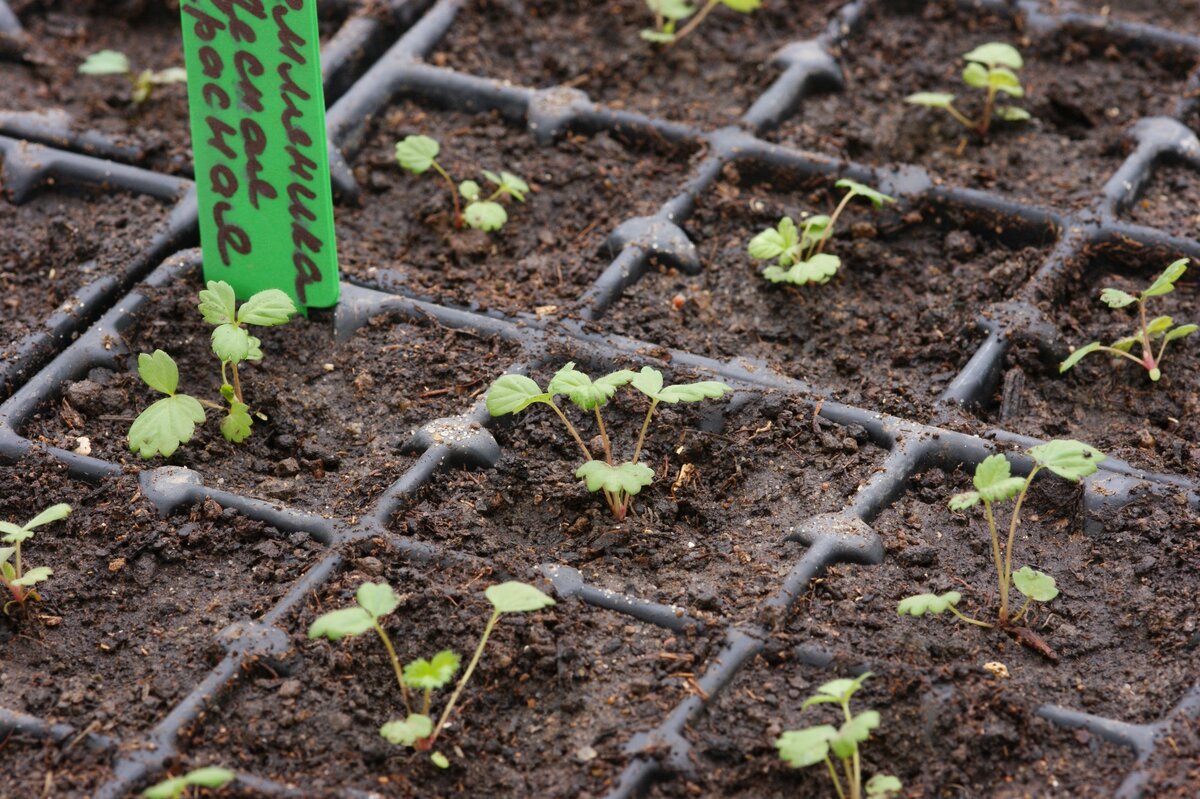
point(773, 242)
point(32, 577)
point(440, 760)
point(470, 190)
point(50, 514)
point(161, 428)
point(1005, 80)
point(921, 604)
point(775, 274)
point(230, 343)
point(975, 74)
point(582, 391)
point(1180, 332)
point(930, 99)
point(1115, 298)
point(1078, 355)
point(237, 422)
point(818, 269)
point(158, 370)
point(15, 535)
point(1034, 584)
point(377, 599)
point(431, 674)
point(416, 153)
point(513, 394)
point(408, 731)
point(516, 597)
point(742, 6)
point(879, 786)
point(694, 392)
point(1010, 113)
point(993, 480)
point(485, 215)
point(217, 303)
point(854, 732)
point(840, 690)
point(338, 624)
point(965, 500)
point(105, 62)
point(649, 381)
point(509, 183)
point(996, 54)
point(1165, 283)
point(267, 308)
point(1159, 325)
point(857, 189)
point(1069, 459)
point(807, 747)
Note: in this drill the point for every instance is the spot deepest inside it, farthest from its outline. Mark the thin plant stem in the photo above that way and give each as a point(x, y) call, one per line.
point(1123, 354)
point(425, 702)
point(694, 21)
point(837, 783)
point(833, 218)
point(604, 436)
point(571, 428)
point(17, 559)
point(453, 193)
point(1021, 612)
point(1147, 347)
point(968, 619)
point(985, 120)
point(855, 762)
point(961, 117)
point(1012, 534)
point(996, 557)
point(237, 383)
point(458, 689)
point(1161, 350)
point(387, 643)
point(850, 778)
point(637, 451)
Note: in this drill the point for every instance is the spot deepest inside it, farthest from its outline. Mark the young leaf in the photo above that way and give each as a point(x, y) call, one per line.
point(485, 215)
point(237, 423)
point(854, 732)
point(159, 372)
point(209, 777)
point(5, 554)
point(585, 393)
point(516, 597)
point(422, 673)
point(105, 62)
point(470, 190)
point(656, 37)
point(807, 747)
point(967, 499)
point(819, 268)
point(513, 394)
point(14, 534)
point(879, 786)
point(629, 478)
point(930, 99)
point(172, 788)
point(217, 303)
point(1034, 584)
point(671, 9)
point(1010, 113)
point(1165, 283)
point(409, 731)
point(231, 343)
point(772, 243)
point(338, 624)
point(32, 577)
point(50, 514)
point(416, 153)
point(509, 184)
point(996, 54)
point(440, 760)
point(839, 690)
point(161, 428)
point(1069, 459)
point(1180, 332)
point(975, 74)
point(993, 480)
point(267, 308)
point(742, 6)
point(1159, 325)
point(167, 76)
point(921, 604)
point(857, 189)
point(378, 599)
point(1006, 81)
point(1081, 353)
point(1115, 298)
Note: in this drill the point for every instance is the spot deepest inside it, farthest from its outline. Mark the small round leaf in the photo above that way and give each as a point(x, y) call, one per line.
point(517, 597)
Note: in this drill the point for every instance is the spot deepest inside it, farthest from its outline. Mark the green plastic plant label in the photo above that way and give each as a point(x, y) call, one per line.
point(258, 136)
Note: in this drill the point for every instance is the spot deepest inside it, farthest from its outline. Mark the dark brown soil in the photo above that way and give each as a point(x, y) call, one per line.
point(48, 240)
point(338, 412)
point(888, 332)
point(1180, 16)
point(746, 474)
point(556, 694)
point(552, 246)
point(1083, 95)
point(128, 620)
point(951, 727)
point(1112, 404)
point(64, 35)
point(709, 79)
point(1167, 203)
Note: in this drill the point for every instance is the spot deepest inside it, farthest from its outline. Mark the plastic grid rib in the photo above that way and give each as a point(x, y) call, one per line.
point(841, 537)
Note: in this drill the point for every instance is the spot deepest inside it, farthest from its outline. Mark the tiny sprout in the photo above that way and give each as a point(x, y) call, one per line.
point(1070, 460)
point(173, 788)
point(111, 62)
point(17, 579)
point(1163, 327)
point(377, 600)
point(172, 420)
point(991, 67)
point(799, 253)
point(418, 154)
point(619, 482)
point(668, 13)
point(813, 745)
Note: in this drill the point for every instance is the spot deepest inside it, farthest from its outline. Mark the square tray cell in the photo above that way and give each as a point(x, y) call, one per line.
point(567, 685)
point(888, 332)
point(1168, 201)
point(1083, 94)
point(708, 79)
point(733, 478)
point(331, 447)
point(402, 238)
point(32, 763)
point(127, 622)
point(1111, 403)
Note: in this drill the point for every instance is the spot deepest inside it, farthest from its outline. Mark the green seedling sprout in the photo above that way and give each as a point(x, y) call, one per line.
point(620, 482)
point(1070, 460)
point(172, 420)
point(17, 579)
point(799, 252)
point(212, 777)
point(991, 67)
point(112, 62)
point(418, 154)
point(377, 600)
point(813, 745)
point(669, 13)
point(1160, 327)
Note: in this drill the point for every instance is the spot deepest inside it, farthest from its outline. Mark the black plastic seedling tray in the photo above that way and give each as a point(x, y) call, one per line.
point(639, 247)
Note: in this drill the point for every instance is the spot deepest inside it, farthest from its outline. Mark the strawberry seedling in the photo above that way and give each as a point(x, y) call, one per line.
point(19, 580)
point(669, 13)
point(112, 62)
point(418, 154)
point(993, 68)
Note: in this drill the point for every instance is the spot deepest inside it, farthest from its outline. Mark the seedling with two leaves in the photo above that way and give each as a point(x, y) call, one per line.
point(798, 252)
point(418, 154)
point(212, 777)
point(112, 62)
point(669, 13)
point(172, 420)
point(813, 745)
point(994, 483)
point(620, 482)
point(17, 579)
point(376, 601)
point(1160, 327)
point(993, 68)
